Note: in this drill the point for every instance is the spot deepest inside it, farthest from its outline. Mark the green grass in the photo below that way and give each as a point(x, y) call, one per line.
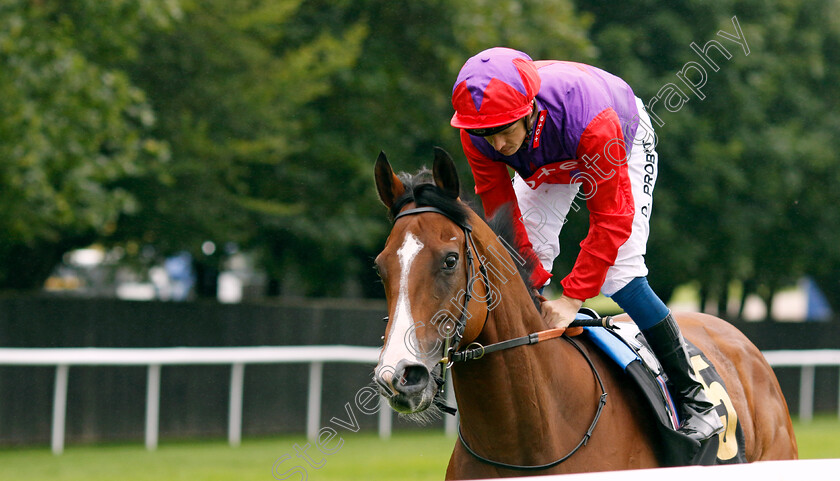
point(407, 456)
point(818, 439)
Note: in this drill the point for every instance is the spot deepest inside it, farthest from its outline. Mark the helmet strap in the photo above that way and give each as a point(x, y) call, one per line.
point(529, 123)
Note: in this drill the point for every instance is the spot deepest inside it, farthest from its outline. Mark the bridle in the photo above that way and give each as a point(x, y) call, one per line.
point(450, 351)
point(476, 351)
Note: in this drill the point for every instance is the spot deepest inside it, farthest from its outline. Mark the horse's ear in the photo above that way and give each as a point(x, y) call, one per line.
point(446, 176)
point(388, 185)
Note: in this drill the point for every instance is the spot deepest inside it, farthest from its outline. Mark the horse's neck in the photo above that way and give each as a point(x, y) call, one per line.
point(512, 306)
point(524, 401)
point(517, 391)
point(513, 315)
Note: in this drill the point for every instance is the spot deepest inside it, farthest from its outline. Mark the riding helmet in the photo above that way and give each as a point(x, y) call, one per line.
point(494, 88)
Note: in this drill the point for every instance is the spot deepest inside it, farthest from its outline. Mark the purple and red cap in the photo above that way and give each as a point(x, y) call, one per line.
point(494, 88)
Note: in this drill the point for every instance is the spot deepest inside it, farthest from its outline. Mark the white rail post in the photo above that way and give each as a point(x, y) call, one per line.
point(59, 408)
point(451, 423)
point(313, 411)
point(384, 418)
point(806, 393)
point(152, 406)
point(237, 380)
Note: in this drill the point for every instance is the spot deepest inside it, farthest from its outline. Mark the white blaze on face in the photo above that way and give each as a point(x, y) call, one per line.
point(402, 341)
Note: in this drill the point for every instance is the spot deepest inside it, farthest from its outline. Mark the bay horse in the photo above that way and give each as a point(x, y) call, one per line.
point(450, 282)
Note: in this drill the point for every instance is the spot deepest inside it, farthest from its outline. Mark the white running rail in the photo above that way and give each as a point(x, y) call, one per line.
point(807, 361)
point(154, 358)
point(315, 356)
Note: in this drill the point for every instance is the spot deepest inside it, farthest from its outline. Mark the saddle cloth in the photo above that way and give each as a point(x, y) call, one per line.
point(626, 345)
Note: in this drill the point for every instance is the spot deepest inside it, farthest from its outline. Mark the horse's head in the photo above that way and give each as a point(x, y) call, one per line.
point(427, 268)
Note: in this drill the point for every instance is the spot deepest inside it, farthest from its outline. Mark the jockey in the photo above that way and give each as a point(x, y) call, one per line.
point(573, 133)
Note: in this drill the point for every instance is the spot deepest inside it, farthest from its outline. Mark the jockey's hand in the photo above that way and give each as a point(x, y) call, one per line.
point(559, 313)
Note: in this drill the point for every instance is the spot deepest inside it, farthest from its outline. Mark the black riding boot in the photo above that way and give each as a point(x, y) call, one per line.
point(700, 421)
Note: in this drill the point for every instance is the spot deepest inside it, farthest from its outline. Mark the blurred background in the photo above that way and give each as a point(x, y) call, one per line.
point(199, 173)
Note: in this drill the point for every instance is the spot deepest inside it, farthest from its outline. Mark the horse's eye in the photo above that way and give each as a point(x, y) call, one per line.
point(450, 262)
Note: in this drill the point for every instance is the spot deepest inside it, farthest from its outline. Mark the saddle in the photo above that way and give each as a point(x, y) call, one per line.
point(624, 343)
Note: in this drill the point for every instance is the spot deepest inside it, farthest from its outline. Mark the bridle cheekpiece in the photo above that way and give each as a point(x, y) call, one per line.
point(453, 342)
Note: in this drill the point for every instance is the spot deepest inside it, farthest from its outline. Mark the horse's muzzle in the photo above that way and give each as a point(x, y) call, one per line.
point(408, 386)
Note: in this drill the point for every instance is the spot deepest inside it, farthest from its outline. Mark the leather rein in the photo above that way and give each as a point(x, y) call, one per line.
point(476, 351)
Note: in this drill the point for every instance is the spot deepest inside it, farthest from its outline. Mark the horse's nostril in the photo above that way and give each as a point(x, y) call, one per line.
point(414, 375)
point(410, 378)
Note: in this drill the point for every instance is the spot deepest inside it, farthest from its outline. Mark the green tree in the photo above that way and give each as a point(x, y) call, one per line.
point(71, 128)
point(232, 86)
point(738, 196)
point(252, 122)
point(395, 98)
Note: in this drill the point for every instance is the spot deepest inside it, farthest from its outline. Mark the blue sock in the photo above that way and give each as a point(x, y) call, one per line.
point(640, 302)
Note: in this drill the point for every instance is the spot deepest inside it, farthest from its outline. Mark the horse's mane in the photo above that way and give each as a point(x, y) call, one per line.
point(503, 225)
point(421, 189)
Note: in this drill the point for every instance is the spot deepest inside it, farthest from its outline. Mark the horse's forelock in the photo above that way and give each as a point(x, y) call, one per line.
point(420, 188)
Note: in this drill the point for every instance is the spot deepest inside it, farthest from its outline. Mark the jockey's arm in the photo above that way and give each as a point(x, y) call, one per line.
point(609, 199)
point(493, 186)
